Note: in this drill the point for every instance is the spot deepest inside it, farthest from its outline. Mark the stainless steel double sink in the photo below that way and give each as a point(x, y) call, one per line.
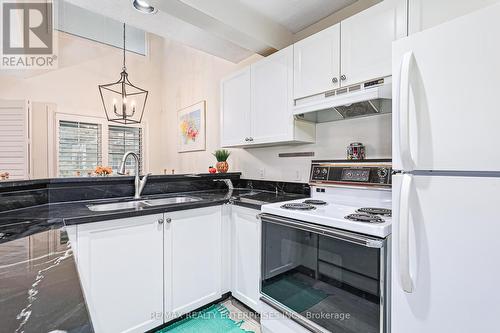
point(140, 204)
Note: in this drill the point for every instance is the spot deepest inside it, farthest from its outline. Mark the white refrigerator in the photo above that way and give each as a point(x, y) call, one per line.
point(446, 196)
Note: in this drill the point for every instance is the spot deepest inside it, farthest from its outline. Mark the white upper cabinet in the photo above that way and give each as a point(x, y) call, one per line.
point(193, 259)
point(272, 99)
point(120, 263)
point(356, 50)
point(366, 41)
point(257, 105)
point(236, 106)
point(425, 14)
point(317, 63)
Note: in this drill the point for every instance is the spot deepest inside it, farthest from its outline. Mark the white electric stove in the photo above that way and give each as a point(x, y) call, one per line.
point(353, 196)
point(333, 248)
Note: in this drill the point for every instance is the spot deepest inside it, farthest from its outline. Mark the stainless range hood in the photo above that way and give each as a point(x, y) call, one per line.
point(365, 99)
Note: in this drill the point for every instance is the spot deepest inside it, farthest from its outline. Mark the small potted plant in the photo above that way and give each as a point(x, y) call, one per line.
point(222, 155)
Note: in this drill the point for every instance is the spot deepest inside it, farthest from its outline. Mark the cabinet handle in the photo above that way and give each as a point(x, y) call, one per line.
point(168, 220)
point(335, 80)
point(161, 220)
point(343, 77)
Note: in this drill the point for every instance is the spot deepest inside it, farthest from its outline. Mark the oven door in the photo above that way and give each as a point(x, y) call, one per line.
point(326, 279)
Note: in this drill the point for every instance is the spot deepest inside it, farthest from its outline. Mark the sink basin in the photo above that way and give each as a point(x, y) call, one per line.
point(140, 204)
point(170, 201)
point(118, 206)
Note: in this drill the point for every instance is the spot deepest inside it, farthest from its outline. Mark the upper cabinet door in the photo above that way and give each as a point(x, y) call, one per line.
point(272, 100)
point(236, 106)
point(317, 63)
point(425, 14)
point(366, 40)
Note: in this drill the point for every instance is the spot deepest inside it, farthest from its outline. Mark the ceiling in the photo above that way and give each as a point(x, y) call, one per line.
point(230, 29)
point(296, 15)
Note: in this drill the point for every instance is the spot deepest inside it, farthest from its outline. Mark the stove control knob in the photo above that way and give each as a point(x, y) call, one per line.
point(382, 174)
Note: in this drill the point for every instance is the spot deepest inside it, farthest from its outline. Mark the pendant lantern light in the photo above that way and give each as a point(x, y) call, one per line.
point(123, 102)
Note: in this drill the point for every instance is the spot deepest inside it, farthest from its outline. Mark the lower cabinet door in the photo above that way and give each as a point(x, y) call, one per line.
point(120, 263)
point(193, 259)
point(245, 259)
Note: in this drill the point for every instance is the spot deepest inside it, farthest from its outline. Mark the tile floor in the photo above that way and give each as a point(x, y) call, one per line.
point(239, 312)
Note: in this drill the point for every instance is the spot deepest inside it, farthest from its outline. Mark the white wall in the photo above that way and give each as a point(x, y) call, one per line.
point(73, 88)
point(176, 76)
point(331, 142)
point(190, 76)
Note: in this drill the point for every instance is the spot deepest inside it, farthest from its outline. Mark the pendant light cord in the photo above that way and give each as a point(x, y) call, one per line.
point(124, 67)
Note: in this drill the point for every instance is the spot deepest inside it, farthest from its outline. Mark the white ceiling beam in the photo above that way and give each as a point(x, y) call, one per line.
point(166, 25)
point(230, 20)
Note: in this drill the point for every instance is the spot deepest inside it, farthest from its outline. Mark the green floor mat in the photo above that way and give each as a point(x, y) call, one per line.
point(293, 293)
point(214, 319)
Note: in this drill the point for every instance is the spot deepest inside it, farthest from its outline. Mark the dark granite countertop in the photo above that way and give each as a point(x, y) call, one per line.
point(39, 285)
point(40, 289)
point(71, 213)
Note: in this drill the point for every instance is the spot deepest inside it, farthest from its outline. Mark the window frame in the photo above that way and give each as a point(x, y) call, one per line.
point(142, 158)
point(103, 122)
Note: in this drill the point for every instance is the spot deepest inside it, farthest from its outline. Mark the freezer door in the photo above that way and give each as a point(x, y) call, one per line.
point(445, 259)
point(446, 100)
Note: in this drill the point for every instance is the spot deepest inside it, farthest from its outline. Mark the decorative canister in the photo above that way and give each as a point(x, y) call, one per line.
point(222, 167)
point(356, 151)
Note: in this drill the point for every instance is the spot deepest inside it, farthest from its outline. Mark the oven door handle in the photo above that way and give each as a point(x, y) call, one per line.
point(347, 236)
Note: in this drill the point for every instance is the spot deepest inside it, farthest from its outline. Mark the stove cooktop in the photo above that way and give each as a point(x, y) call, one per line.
point(370, 216)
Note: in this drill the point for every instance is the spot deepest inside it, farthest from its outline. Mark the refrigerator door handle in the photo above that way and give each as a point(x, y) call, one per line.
point(404, 235)
point(404, 111)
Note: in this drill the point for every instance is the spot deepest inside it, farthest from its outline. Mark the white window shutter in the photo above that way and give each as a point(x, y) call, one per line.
point(79, 148)
point(14, 139)
point(122, 139)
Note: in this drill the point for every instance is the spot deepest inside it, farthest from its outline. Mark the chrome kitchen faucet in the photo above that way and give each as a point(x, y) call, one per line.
point(139, 184)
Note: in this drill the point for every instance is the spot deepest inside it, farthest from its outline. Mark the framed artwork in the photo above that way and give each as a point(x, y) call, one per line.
point(191, 128)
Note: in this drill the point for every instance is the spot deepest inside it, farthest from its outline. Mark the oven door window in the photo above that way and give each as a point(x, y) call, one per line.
point(331, 282)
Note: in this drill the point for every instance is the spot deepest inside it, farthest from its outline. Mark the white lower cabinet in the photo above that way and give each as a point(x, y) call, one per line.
point(193, 259)
point(140, 272)
point(120, 263)
point(245, 256)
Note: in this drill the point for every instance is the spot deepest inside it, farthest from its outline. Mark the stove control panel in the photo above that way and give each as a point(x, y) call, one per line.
point(320, 173)
point(373, 173)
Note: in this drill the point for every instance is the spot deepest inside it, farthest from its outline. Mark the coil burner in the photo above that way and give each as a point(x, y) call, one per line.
point(315, 202)
point(365, 218)
point(375, 211)
point(298, 206)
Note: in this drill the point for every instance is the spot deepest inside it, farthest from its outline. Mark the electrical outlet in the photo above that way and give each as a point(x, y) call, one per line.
point(262, 173)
